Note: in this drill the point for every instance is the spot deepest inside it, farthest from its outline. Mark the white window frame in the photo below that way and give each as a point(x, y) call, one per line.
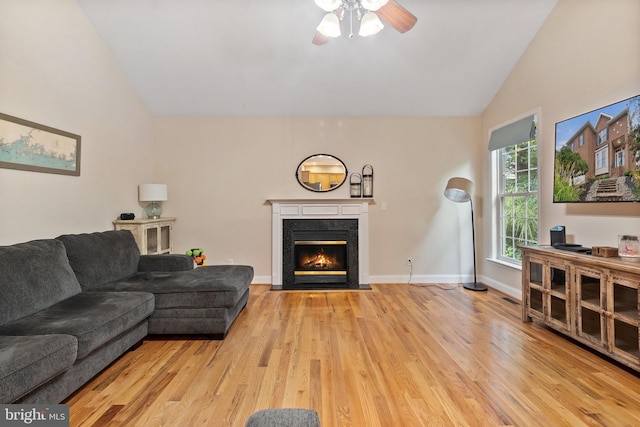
point(620, 157)
point(602, 160)
point(496, 172)
point(603, 136)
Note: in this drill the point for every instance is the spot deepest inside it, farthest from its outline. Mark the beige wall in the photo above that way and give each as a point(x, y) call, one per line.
point(221, 171)
point(584, 57)
point(54, 70)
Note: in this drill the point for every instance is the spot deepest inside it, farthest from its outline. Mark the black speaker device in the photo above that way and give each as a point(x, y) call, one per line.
point(558, 236)
point(127, 216)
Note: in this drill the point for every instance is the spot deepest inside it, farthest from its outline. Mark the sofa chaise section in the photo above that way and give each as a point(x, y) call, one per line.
point(204, 300)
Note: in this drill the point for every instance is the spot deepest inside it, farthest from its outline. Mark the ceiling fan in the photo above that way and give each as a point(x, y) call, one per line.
point(368, 12)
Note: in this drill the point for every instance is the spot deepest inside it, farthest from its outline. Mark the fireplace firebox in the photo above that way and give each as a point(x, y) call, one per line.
point(320, 254)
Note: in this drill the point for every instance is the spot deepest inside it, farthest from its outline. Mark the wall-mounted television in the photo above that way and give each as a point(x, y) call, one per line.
point(597, 155)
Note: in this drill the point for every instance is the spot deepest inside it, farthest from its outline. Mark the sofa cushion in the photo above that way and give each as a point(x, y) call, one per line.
point(210, 286)
point(101, 257)
point(26, 362)
point(94, 318)
point(35, 275)
point(165, 262)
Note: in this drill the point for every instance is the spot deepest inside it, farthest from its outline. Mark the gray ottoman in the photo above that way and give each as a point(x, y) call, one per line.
point(285, 417)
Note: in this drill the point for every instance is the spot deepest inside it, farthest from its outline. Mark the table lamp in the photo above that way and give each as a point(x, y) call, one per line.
point(154, 193)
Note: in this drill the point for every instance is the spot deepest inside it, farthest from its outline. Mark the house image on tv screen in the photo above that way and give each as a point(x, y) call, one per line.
point(598, 155)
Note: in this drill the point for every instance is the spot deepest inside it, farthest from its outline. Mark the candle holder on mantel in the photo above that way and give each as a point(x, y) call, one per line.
point(355, 185)
point(367, 181)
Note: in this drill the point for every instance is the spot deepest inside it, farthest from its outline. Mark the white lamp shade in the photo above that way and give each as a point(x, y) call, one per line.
point(152, 192)
point(328, 5)
point(330, 25)
point(459, 190)
point(373, 4)
point(370, 24)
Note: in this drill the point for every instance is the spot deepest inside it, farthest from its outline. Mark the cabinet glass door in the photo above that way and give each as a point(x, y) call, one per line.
point(535, 297)
point(590, 294)
point(558, 303)
point(152, 240)
point(165, 241)
point(623, 324)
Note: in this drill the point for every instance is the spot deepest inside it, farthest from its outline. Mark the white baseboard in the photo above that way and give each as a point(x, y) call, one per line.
point(453, 278)
point(261, 280)
point(427, 278)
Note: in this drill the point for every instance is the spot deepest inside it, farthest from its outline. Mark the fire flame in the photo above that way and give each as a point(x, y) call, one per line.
point(319, 261)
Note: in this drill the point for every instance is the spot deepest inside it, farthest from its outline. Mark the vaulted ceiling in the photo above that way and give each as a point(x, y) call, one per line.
point(255, 57)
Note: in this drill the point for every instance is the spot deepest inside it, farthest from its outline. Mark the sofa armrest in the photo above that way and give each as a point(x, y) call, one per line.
point(168, 262)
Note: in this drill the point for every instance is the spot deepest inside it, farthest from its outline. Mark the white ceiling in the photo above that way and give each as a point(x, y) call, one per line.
point(255, 57)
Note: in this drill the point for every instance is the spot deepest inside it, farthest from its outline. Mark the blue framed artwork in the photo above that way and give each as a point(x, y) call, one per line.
point(30, 146)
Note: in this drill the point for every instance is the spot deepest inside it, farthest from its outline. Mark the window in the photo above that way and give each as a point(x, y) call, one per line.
point(620, 158)
point(603, 135)
point(581, 140)
point(517, 199)
point(602, 160)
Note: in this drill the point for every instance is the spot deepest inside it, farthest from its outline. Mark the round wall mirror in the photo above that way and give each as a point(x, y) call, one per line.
point(321, 172)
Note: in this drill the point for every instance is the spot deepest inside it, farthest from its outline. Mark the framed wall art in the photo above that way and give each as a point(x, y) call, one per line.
point(30, 146)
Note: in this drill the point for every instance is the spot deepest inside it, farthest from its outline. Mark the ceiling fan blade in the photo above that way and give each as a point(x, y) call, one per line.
point(319, 38)
point(397, 16)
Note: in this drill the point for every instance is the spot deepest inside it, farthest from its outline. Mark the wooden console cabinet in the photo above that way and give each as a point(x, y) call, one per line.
point(591, 299)
point(153, 236)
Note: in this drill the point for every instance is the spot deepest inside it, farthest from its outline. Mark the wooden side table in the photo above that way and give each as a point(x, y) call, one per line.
point(153, 236)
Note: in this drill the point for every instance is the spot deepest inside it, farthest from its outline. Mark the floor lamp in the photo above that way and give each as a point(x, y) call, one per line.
point(459, 190)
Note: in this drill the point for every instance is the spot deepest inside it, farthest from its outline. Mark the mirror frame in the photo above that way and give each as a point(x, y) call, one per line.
point(340, 162)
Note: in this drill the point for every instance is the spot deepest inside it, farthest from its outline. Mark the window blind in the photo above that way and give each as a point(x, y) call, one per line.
point(514, 133)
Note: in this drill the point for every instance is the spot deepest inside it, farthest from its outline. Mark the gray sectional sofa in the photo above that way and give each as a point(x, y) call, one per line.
point(72, 305)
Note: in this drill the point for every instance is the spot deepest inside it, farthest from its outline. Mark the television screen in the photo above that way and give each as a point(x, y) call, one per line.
point(597, 155)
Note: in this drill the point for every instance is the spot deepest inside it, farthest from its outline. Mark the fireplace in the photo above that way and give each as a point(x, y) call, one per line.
point(320, 254)
point(356, 210)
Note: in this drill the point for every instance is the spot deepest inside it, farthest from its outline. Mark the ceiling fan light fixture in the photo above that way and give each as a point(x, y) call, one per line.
point(370, 25)
point(329, 26)
point(373, 5)
point(328, 5)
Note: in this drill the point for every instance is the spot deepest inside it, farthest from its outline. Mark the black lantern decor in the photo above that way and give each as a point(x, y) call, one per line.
point(355, 185)
point(367, 181)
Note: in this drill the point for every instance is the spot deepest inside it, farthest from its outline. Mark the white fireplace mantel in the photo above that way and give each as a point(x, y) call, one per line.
point(357, 208)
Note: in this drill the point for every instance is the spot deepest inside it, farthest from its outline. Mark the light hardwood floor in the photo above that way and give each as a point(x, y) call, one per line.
point(397, 355)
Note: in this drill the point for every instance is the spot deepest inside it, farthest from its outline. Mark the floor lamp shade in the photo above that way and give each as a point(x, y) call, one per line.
point(459, 190)
point(154, 193)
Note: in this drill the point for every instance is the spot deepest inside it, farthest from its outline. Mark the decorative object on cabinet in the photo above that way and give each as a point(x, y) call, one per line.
point(604, 251)
point(355, 185)
point(367, 181)
point(591, 299)
point(459, 190)
point(321, 173)
point(49, 150)
point(628, 248)
point(154, 193)
point(153, 236)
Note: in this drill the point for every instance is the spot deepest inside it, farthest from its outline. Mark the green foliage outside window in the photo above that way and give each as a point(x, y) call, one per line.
point(519, 196)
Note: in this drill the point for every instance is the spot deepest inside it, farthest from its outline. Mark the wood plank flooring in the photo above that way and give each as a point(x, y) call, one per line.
point(396, 355)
